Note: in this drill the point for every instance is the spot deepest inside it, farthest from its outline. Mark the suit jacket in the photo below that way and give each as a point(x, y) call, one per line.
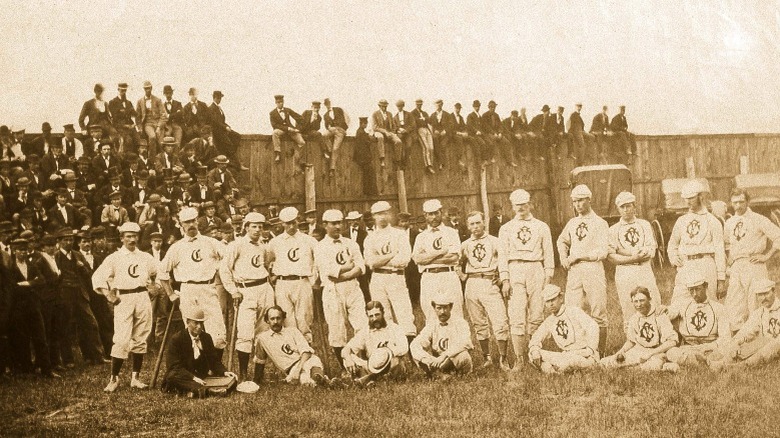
point(203, 222)
point(34, 277)
point(180, 357)
point(420, 118)
point(447, 122)
point(204, 152)
point(359, 237)
point(50, 164)
point(307, 125)
point(50, 288)
point(495, 224)
point(77, 197)
point(223, 210)
point(600, 123)
point(474, 123)
point(217, 117)
point(202, 117)
point(286, 122)
point(122, 112)
point(38, 145)
point(174, 111)
point(543, 127)
point(229, 182)
point(619, 123)
point(195, 195)
point(576, 124)
point(491, 123)
point(108, 216)
point(100, 169)
point(155, 115)
point(339, 119)
point(75, 272)
point(56, 221)
point(159, 162)
point(513, 126)
point(409, 123)
point(102, 195)
point(89, 111)
point(560, 125)
point(459, 123)
point(379, 124)
point(15, 205)
point(37, 181)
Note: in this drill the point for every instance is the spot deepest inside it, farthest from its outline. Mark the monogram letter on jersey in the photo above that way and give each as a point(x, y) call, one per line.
point(292, 254)
point(693, 228)
point(631, 236)
point(341, 257)
point(647, 332)
point(479, 252)
point(437, 243)
point(382, 344)
point(773, 328)
point(582, 231)
point(524, 235)
point(385, 249)
point(257, 260)
point(195, 256)
point(443, 344)
point(562, 329)
point(739, 231)
point(286, 349)
point(132, 270)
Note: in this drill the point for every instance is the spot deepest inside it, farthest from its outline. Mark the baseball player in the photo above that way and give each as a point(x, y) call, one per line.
point(244, 274)
point(292, 253)
point(194, 261)
point(436, 253)
point(575, 333)
point(649, 335)
point(631, 247)
point(757, 341)
point(703, 326)
point(443, 345)
point(525, 263)
point(746, 237)
point(582, 246)
point(484, 302)
point(387, 252)
point(289, 351)
point(339, 264)
point(696, 244)
point(376, 350)
point(126, 277)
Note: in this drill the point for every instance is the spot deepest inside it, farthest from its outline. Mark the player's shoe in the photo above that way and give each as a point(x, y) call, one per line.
point(113, 384)
point(503, 365)
point(137, 384)
point(671, 367)
point(321, 380)
point(488, 362)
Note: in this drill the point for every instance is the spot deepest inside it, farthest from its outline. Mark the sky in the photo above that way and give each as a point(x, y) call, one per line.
point(706, 66)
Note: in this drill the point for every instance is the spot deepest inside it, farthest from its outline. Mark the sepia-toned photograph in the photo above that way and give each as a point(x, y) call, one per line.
point(393, 219)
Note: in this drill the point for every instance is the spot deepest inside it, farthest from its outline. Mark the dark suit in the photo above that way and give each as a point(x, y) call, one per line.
point(174, 121)
point(543, 128)
point(57, 221)
point(16, 205)
point(495, 224)
point(619, 126)
point(40, 146)
point(52, 310)
point(51, 165)
point(193, 122)
point(442, 131)
point(601, 130)
point(89, 111)
point(284, 124)
point(406, 130)
point(195, 194)
point(122, 114)
point(27, 324)
point(364, 158)
point(478, 136)
point(182, 365)
point(310, 129)
point(411, 272)
point(227, 142)
point(491, 123)
point(100, 169)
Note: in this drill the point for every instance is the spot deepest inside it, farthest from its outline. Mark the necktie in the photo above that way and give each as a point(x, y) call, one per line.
point(196, 347)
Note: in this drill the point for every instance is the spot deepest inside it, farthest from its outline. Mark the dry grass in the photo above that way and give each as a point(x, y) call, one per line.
point(488, 403)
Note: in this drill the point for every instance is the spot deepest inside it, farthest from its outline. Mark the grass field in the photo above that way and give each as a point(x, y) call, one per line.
point(694, 402)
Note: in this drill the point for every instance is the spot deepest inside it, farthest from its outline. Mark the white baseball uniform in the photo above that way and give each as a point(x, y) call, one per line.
point(758, 341)
point(388, 282)
point(575, 333)
point(131, 273)
point(293, 266)
point(285, 349)
point(369, 339)
point(646, 332)
point(194, 261)
point(439, 278)
point(703, 328)
point(746, 236)
point(525, 257)
point(451, 339)
point(586, 235)
point(484, 302)
point(342, 301)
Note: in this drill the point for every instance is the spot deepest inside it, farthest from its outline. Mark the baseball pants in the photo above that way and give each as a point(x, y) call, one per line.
point(132, 324)
point(633, 357)
point(205, 296)
point(462, 362)
point(447, 283)
point(343, 303)
point(526, 304)
point(485, 304)
point(426, 141)
point(627, 278)
point(295, 297)
point(391, 291)
point(586, 282)
point(561, 362)
point(739, 301)
point(689, 354)
point(706, 266)
point(305, 376)
point(225, 299)
point(256, 300)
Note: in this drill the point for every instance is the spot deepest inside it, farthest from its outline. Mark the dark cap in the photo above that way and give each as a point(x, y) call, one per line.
point(156, 235)
point(476, 103)
point(167, 89)
point(48, 240)
point(69, 127)
point(46, 126)
point(546, 108)
point(122, 86)
point(217, 93)
point(492, 103)
point(278, 97)
point(363, 119)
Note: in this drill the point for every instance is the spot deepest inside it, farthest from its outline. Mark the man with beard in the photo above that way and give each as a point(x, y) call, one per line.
point(442, 347)
point(375, 351)
point(126, 278)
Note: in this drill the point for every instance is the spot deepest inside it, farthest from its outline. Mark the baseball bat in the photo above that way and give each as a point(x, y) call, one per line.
point(233, 330)
point(162, 344)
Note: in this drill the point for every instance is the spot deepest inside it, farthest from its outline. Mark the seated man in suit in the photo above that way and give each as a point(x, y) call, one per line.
point(208, 216)
point(200, 192)
point(406, 130)
point(191, 357)
point(284, 122)
point(311, 123)
point(619, 126)
point(383, 127)
point(601, 130)
point(114, 214)
point(221, 178)
point(63, 214)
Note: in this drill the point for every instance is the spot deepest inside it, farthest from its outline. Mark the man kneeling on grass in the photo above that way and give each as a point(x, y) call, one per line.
point(649, 335)
point(191, 356)
point(375, 350)
point(757, 341)
point(703, 325)
point(289, 352)
point(574, 332)
point(442, 347)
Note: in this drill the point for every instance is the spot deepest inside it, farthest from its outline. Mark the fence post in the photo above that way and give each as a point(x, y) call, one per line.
point(744, 167)
point(310, 188)
point(484, 193)
point(401, 181)
point(690, 168)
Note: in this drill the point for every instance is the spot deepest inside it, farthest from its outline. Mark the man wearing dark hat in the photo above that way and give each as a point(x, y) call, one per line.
point(220, 177)
point(561, 139)
point(460, 135)
point(491, 122)
point(203, 149)
point(477, 134)
point(384, 127)
point(578, 134)
point(208, 216)
point(114, 214)
point(168, 190)
point(441, 125)
point(22, 199)
point(311, 123)
point(196, 114)
point(619, 126)
point(103, 162)
point(130, 170)
point(174, 119)
point(139, 193)
point(200, 192)
point(86, 181)
point(284, 122)
point(167, 159)
point(122, 115)
point(600, 128)
point(95, 112)
point(63, 214)
point(406, 130)
point(515, 131)
point(364, 158)
point(41, 145)
point(226, 138)
point(53, 306)
point(34, 174)
point(71, 145)
point(150, 117)
point(114, 184)
point(336, 124)
point(543, 129)
point(54, 162)
point(425, 134)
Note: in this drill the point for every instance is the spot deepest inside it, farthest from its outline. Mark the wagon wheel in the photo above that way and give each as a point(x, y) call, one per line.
point(776, 216)
point(660, 252)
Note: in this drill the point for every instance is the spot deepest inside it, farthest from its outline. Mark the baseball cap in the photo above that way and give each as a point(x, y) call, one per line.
point(379, 360)
point(188, 214)
point(254, 217)
point(441, 299)
point(129, 227)
point(581, 192)
point(691, 189)
point(353, 215)
point(380, 206)
point(624, 198)
point(520, 196)
point(694, 278)
point(550, 291)
point(432, 206)
point(288, 214)
point(332, 216)
point(761, 285)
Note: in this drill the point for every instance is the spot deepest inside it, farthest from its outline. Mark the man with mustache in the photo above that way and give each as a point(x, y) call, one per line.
point(442, 347)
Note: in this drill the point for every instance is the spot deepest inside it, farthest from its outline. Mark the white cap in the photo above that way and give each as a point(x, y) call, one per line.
point(332, 216)
point(441, 299)
point(379, 360)
point(129, 227)
point(520, 196)
point(550, 291)
point(581, 192)
point(352, 216)
point(691, 189)
point(380, 206)
point(288, 214)
point(247, 387)
point(188, 214)
point(694, 278)
point(254, 217)
point(761, 285)
point(624, 198)
point(431, 206)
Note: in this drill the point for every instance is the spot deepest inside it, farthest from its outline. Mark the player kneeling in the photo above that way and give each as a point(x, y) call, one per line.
point(376, 350)
point(574, 332)
point(649, 336)
point(442, 347)
point(289, 352)
point(757, 341)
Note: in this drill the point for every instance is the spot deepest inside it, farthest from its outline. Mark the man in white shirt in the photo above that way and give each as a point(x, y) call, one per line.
point(443, 347)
